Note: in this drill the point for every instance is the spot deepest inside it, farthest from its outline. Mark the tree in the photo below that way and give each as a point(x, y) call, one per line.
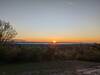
point(7, 32)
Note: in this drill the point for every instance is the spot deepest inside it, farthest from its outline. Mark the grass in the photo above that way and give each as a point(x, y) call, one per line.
point(44, 68)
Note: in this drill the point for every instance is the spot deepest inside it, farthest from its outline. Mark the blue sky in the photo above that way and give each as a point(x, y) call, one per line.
point(53, 19)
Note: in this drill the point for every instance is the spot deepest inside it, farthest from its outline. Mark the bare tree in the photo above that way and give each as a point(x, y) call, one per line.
point(7, 32)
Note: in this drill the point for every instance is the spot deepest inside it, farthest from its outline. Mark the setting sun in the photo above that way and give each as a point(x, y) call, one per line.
point(54, 41)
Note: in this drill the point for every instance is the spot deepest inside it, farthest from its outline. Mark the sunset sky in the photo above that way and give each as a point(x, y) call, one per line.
point(48, 20)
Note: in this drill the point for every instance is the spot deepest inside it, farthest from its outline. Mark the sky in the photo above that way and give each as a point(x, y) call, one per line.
point(48, 20)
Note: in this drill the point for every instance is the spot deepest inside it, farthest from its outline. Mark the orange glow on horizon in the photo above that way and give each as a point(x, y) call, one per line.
point(59, 39)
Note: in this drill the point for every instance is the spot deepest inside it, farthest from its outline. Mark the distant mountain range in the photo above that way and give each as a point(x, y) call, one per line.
point(20, 40)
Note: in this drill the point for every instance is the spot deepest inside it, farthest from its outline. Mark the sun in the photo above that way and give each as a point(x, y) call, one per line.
point(54, 41)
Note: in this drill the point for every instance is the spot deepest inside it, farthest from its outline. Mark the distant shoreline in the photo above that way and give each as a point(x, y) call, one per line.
point(65, 43)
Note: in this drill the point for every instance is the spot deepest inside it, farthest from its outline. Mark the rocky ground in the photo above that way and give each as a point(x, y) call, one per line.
point(95, 70)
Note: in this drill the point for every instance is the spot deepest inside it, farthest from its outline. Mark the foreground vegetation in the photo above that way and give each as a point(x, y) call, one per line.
point(50, 52)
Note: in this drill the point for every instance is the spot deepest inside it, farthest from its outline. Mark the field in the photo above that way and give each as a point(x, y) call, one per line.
point(46, 68)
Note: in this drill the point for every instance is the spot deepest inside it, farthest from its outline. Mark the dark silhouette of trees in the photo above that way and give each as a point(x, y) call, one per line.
point(7, 33)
